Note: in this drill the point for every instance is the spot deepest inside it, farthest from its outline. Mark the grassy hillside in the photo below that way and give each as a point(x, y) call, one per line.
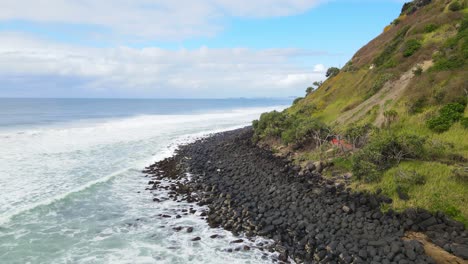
point(398, 110)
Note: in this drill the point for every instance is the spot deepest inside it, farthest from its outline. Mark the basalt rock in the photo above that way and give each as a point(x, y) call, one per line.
point(251, 191)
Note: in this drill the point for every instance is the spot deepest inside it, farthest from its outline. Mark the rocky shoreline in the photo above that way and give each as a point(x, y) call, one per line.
point(311, 219)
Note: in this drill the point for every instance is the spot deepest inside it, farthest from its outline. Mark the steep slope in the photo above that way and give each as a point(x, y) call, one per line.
point(395, 115)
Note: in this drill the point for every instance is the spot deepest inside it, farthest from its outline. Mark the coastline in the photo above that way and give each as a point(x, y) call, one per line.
point(311, 219)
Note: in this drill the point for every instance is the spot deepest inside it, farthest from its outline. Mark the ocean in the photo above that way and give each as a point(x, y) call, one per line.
point(72, 190)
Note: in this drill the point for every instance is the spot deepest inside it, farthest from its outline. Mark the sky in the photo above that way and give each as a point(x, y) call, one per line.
point(180, 48)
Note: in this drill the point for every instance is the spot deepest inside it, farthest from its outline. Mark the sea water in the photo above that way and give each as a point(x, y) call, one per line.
point(71, 187)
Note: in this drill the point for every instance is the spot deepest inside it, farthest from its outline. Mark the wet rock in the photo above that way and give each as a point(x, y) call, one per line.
point(250, 191)
point(189, 229)
point(196, 239)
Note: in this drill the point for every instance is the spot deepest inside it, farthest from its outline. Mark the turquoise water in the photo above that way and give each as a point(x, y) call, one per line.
point(71, 186)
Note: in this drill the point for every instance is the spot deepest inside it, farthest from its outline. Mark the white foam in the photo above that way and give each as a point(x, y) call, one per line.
point(38, 165)
point(57, 167)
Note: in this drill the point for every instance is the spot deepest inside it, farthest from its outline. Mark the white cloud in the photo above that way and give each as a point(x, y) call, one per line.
point(152, 71)
point(161, 19)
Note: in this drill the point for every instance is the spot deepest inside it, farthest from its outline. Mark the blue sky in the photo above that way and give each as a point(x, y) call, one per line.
point(198, 48)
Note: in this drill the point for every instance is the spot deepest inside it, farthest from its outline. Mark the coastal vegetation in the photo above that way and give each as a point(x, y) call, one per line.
point(397, 110)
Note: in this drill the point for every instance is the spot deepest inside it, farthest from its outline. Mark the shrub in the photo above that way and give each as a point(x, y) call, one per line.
point(309, 90)
point(417, 106)
point(406, 7)
point(307, 109)
point(302, 130)
point(270, 125)
point(387, 28)
point(384, 151)
point(439, 124)
point(357, 134)
point(430, 28)
point(333, 71)
point(418, 71)
point(448, 115)
point(390, 117)
point(453, 111)
point(365, 170)
point(462, 100)
point(464, 122)
point(455, 6)
point(297, 100)
point(439, 95)
point(290, 129)
point(411, 46)
point(318, 84)
point(448, 63)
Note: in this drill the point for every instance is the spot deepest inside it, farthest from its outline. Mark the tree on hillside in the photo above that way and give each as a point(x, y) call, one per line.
point(309, 90)
point(331, 72)
point(318, 84)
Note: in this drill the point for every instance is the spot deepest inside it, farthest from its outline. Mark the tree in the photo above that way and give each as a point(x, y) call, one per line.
point(309, 90)
point(333, 71)
point(318, 84)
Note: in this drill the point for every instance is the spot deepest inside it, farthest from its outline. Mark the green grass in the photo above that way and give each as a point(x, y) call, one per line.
point(441, 192)
point(433, 34)
point(343, 164)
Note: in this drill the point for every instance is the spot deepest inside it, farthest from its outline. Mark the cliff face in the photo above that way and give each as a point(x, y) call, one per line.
point(400, 103)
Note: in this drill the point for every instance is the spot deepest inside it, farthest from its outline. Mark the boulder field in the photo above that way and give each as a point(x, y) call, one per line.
point(250, 191)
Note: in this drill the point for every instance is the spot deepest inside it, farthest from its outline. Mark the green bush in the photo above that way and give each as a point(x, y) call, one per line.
point(406, 7)
point(357, 134)
point(455, 6)
point(307, 109)
point(297, 100)
point(364, 170)
point(301, 130)
point(418, 71)
point(290, 129)
point(464, 122)
point(430, 28)
point(331, 72)
point(439, 124)
point(448, 63)
point(453, 111)
point(270, 125)
point(384, 151)
point(417, 106)
point(411, 46)
point(448, 115)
